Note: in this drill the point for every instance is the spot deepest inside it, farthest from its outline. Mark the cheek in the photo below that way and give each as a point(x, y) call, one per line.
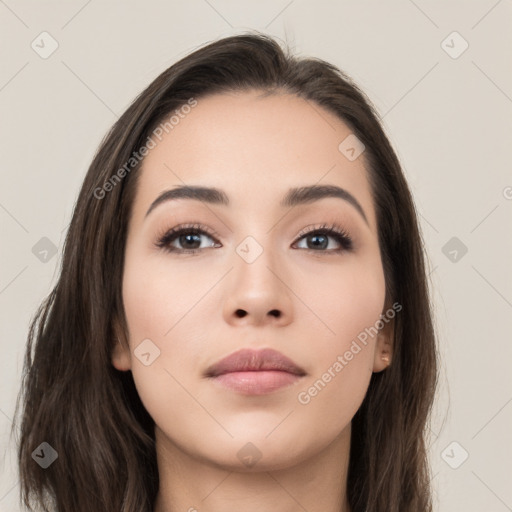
point(349, 304)
point(344, 300)
point(160, 302)
point(159, 310)
point(167, 319)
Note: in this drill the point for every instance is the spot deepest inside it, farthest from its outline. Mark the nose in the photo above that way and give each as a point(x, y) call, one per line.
point(258, 292)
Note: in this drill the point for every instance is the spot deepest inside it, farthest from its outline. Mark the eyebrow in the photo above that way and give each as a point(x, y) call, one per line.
point(294, 196)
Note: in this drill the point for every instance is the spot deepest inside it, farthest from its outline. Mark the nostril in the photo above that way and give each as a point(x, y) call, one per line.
point(240, 313)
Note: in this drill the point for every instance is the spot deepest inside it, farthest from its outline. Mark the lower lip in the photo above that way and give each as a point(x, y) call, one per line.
point(256, 382)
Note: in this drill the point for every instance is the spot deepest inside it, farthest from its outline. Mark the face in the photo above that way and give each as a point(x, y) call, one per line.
point(255, 273)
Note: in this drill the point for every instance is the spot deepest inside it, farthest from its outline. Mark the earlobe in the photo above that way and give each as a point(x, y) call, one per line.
point(121, 359)
point(382, 358)
point(383, 348)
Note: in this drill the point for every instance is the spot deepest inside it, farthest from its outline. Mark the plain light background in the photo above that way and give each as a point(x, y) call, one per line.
point(446, 111)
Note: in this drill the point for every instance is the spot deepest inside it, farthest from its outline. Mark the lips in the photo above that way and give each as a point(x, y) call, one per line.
point(246, 360)
point(250, 372)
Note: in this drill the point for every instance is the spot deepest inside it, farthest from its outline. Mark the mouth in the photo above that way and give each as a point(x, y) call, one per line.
point(255, 372)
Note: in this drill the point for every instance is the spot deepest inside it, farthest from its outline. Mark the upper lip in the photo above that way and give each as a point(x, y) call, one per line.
point(247, 360)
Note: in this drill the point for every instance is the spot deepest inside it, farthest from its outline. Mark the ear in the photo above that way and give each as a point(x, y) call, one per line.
point(121, 356)
point(384, 346)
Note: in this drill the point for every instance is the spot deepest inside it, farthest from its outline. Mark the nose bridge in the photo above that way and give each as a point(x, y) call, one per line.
point(253, 260)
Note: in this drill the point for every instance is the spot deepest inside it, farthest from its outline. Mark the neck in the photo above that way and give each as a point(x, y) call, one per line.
point(317, 483)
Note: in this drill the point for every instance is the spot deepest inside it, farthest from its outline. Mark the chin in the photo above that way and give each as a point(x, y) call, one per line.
point(250, 459)
point(246, 454)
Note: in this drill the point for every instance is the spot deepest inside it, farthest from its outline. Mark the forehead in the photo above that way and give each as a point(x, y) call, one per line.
point(255, 148)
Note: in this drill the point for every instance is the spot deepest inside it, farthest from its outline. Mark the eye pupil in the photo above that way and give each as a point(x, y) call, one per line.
point(322, 244)
point(196, 239)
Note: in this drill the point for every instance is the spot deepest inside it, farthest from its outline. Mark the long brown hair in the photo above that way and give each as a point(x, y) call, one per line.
point(90, 413)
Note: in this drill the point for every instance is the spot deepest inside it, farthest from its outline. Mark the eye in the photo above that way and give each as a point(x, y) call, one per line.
point(187, 237)
point(317, 239)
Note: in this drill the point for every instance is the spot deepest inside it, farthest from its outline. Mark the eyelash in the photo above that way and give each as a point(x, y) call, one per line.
point(333, 230)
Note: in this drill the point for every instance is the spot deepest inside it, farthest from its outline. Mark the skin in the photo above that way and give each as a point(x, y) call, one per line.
point(255, 149)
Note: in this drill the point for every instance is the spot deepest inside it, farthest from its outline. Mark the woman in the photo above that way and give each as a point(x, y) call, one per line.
point(242, 319)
